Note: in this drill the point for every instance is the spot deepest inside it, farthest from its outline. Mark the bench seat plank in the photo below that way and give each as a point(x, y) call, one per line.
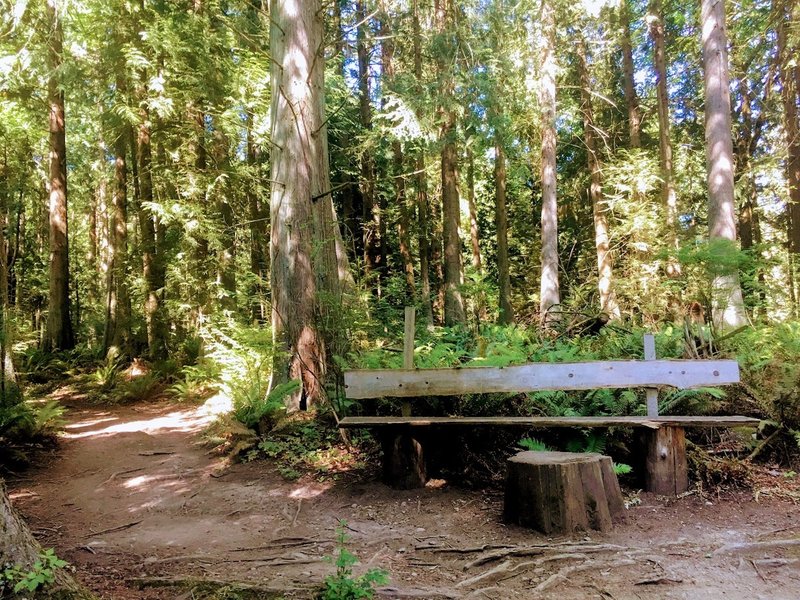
point(544, 422)
point(377, 383)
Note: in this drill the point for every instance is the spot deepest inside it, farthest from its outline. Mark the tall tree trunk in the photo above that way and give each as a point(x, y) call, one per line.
point(301, 207)
point(549, 289)
point(668, 196)
point(151, 267)
point(788, 53)
point(118, 309)
point(451, 206)
point(474, 237)
point(371, 210)
point(608, 299)
point(474, 232)
point(258, 233)
point(10, 393)
point(59, 334)
point(226, 253)
point(398, 161)
point(423, 208)
point(631, 99)
point(727, 301)
point(506, 316)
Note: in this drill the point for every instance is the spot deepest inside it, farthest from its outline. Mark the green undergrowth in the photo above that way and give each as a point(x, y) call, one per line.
point(300, 446)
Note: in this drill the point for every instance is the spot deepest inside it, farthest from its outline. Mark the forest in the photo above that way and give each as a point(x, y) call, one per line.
point(211, 209)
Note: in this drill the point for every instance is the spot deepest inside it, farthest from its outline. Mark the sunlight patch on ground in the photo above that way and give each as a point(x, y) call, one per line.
point(90, 422)
point(311, 490)
point(186, 421)
point(218, 404)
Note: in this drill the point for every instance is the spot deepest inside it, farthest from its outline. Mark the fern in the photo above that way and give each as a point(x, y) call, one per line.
point(533, 444)
point(622, 469)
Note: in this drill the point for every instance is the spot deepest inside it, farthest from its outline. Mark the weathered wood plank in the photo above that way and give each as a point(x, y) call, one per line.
point(546, 422)
point(540, 376)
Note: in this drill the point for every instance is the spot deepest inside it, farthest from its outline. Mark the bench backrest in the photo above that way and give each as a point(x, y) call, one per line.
point(540, 376)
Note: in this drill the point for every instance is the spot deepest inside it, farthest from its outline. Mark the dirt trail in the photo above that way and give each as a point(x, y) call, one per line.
point(133, 493)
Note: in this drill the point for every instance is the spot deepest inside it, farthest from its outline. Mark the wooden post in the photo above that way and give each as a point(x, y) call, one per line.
point(652, 393)
point(403, 459)
point(665, 470)
point(408, 351)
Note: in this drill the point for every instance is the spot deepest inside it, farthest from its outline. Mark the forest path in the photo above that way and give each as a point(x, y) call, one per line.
point(133, 492)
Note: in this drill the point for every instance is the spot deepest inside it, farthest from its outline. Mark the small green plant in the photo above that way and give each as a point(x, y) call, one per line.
point(343, 585)
point(105, 377)
point(533, 444)
point(622, 469)
point(40, 575)
point(250, 406)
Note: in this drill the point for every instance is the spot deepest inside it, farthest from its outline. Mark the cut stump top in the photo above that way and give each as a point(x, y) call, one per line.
point(531, 457)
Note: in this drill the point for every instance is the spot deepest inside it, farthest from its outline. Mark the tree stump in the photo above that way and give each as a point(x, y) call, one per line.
point(561, 492)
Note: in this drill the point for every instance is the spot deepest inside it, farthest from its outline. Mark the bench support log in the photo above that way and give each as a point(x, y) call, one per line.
point(403, 459)
point(665, 469)
point(561, 492)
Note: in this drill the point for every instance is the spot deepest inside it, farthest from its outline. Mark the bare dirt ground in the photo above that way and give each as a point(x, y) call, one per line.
point(133, 493)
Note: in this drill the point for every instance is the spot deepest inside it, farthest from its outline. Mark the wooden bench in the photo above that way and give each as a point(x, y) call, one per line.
point(662, 437)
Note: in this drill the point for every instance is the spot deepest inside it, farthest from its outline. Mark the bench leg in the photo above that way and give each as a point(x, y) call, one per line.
point(403, 460)
point(666, 472)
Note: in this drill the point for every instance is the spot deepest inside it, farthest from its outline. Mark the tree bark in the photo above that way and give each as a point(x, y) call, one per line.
point(788, 53)
point(118, 311)
point(631, 99)
point(454, 313)
point(506, 316)
point(151, 260)
point(19, 548)
point(373, 259)
point(301, 209)
point(608, 298)
point(727, 302)
point(549, 296)
point(59, 334)
point(258, 233)
point(668, 195)
point(423, 208)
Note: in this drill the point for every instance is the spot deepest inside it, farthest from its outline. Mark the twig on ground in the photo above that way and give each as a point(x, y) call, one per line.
point(114, 529)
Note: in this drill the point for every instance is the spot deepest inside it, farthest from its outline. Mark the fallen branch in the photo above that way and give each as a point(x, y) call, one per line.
point(764, 443)
point(542, 549)
point(746, 548)
point(114, 529)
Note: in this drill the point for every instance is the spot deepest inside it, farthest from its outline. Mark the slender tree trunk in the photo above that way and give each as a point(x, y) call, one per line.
point(153, 305)
point(474, 237)
point(549, 289)
point(258, 233)
point(631, 99)
point(59, 334)
point(474, 232)
point(668, 195)
point(727, 301)
point(10, 393)
point(608, 299)
point(226, 253)
point(398, 162)
point(423, 207)
point(373, 259)
point(118, 310)
point(451, 206)
point(506, 316)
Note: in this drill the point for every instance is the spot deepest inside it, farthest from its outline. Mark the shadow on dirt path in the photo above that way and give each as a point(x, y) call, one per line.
point(133, 495)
